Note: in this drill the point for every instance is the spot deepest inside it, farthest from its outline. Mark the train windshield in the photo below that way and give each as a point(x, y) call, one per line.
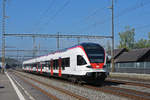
point(94, 52)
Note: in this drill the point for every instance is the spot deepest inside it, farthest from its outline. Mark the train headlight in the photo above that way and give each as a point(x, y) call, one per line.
point(97, 66)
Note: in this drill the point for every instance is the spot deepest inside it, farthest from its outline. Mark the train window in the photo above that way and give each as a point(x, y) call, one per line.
point(63, 64)
point(43, 65)
point(94, 52)
point(39, 65)
point(35, 65)
point(30, 65)
point(67, 62)
point(47, 63)
point(55, 64)
point(80, 60)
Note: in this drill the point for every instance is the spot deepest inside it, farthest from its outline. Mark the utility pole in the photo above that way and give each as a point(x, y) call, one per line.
point(78, 40)
point(39, 48)
point(112, 51)
point(34, 47)
point(58, 41)
point(3, 37)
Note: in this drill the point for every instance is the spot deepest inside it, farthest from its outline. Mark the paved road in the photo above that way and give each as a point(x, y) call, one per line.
point(13, 88)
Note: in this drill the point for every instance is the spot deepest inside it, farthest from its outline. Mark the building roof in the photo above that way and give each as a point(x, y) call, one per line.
point(133, 55)
point(117, 52)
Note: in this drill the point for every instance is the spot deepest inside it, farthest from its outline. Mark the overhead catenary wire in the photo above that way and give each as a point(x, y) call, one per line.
point(121, 13)
point(58, 12)
point(43, 15)
point(143, 26)
point(90, 16)
point(55, 36)
point(133, 8)
point(53, 16)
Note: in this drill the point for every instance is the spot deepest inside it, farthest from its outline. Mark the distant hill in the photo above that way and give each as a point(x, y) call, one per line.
point(11, 62)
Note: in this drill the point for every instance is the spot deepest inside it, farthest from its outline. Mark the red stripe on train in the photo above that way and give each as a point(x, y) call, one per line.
point(59, 66)
point(51, 67)
point(97, 65)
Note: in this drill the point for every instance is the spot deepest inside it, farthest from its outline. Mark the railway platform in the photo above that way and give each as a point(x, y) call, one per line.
point(131, 75)
point(13, 88)
point(7, 91)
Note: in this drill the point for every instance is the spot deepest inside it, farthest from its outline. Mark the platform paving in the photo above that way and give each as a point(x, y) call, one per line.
point(9, 91)
point(6, 90)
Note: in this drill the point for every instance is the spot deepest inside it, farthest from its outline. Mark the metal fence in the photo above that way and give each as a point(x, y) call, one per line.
point(134, 67)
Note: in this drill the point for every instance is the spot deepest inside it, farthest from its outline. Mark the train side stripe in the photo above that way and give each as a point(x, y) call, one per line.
point(51, 67)
point(59, 67)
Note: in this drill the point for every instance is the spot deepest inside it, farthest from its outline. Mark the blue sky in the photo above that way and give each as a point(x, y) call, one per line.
point(92, 17)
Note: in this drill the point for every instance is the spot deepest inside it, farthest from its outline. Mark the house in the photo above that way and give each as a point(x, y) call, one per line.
point(134, 61)
point(134, 55)
point(117, 53)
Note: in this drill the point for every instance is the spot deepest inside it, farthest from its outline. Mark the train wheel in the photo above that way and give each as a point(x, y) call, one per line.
point(72, 79)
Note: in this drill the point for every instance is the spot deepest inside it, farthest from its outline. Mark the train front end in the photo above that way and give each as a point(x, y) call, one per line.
point(97, 62)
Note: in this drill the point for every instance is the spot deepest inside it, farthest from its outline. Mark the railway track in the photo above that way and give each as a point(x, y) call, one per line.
point(109, 89)
point(72, 95)
point(132, 94)
point(129, 83)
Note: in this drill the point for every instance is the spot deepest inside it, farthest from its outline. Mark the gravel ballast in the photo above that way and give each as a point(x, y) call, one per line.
point(82, 91)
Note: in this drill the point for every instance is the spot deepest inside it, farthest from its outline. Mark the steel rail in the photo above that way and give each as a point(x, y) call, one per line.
point(56, 88)
point(137, 95)
point(130, 83)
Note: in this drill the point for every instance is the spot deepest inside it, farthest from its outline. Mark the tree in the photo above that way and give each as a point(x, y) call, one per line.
point(127, 38)
point(142, 43)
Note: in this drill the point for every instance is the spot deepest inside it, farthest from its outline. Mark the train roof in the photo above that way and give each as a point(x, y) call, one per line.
point(63, 50)
point(89, 44)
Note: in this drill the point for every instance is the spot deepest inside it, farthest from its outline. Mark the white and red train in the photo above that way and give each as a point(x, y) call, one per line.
point(84, 62)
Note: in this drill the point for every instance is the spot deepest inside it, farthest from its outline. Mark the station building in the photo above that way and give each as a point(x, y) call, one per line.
point(134, 61)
